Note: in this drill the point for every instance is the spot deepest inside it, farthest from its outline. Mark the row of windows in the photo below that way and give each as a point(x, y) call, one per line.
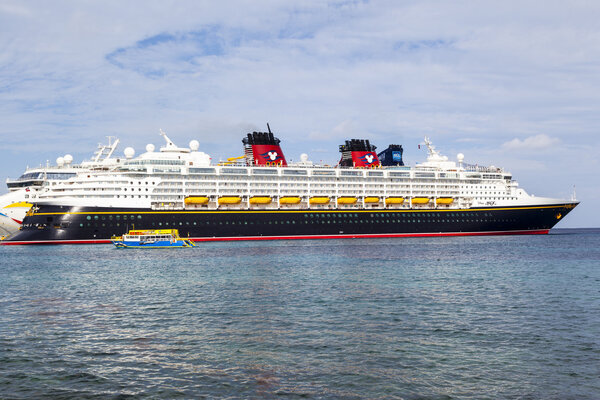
point(292, 222)
point(123, 220)
point(425, 215)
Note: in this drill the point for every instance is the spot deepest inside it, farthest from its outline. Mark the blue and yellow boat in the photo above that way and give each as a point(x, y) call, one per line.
point(151, 239)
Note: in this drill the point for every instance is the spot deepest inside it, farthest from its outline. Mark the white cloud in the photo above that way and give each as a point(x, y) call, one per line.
point(537, 142)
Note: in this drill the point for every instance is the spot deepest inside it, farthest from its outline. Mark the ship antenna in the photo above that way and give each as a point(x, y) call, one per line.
point(170, 143)
point(430, 147)
point(269, 128)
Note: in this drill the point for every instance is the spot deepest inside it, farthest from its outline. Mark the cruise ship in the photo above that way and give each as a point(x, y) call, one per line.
point(24, 190)
point(260, 196)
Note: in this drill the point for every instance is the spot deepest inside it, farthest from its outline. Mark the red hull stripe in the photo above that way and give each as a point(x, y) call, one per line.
point(103, 241)
point(340, 236)
point(373, 235)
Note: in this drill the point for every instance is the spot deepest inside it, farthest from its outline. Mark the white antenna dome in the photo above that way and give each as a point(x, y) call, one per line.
point(460, 157)
point(150, 147)
point(129, 152)
point(68, 159)
point(60, 161)
point(304, 157)
point(194, 145)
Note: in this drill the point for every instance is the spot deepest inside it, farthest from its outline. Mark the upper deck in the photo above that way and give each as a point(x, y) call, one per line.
point(165, 179)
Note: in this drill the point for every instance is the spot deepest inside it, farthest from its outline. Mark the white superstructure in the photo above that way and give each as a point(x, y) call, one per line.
point(181, 178)
point(25, 190)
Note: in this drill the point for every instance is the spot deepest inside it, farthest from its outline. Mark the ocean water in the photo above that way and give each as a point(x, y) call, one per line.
point(514, 317)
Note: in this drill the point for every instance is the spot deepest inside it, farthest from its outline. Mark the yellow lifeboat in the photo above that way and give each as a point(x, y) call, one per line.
point(230, 200)
point(347, 200)
point(260, 200)
point(196, 200)
point(444, 200)
point(394, 200)
point(420, 200)
point(289, 200)
point(319, 200)
point(371, 199)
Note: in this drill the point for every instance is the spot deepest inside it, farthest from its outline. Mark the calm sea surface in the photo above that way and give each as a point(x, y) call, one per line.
point(514, 317)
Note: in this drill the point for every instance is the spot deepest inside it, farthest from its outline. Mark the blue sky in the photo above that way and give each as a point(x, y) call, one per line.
point(513, 84)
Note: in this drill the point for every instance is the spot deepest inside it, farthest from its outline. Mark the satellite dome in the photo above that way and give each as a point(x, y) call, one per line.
point(194, 145)
point(60, 161)
point(129, 152)
point(149, 147)
point(460, 157)
point(68, 159)
point(304, 157)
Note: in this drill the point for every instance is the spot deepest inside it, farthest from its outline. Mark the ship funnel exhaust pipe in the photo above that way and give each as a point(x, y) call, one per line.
point(359, 153)
point(262, 148)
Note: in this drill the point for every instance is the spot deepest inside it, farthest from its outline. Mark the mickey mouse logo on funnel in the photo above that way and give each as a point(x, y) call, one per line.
point(366, 159)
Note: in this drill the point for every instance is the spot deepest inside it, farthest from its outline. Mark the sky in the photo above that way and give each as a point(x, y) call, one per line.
point(514, 84)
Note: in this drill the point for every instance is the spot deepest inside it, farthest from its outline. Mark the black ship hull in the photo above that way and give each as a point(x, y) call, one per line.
point(78, 225)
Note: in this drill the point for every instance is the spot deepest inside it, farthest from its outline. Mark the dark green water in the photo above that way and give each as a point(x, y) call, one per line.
point(424, 318)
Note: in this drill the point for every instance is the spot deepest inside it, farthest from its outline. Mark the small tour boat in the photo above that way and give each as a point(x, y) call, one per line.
point(151, 238)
